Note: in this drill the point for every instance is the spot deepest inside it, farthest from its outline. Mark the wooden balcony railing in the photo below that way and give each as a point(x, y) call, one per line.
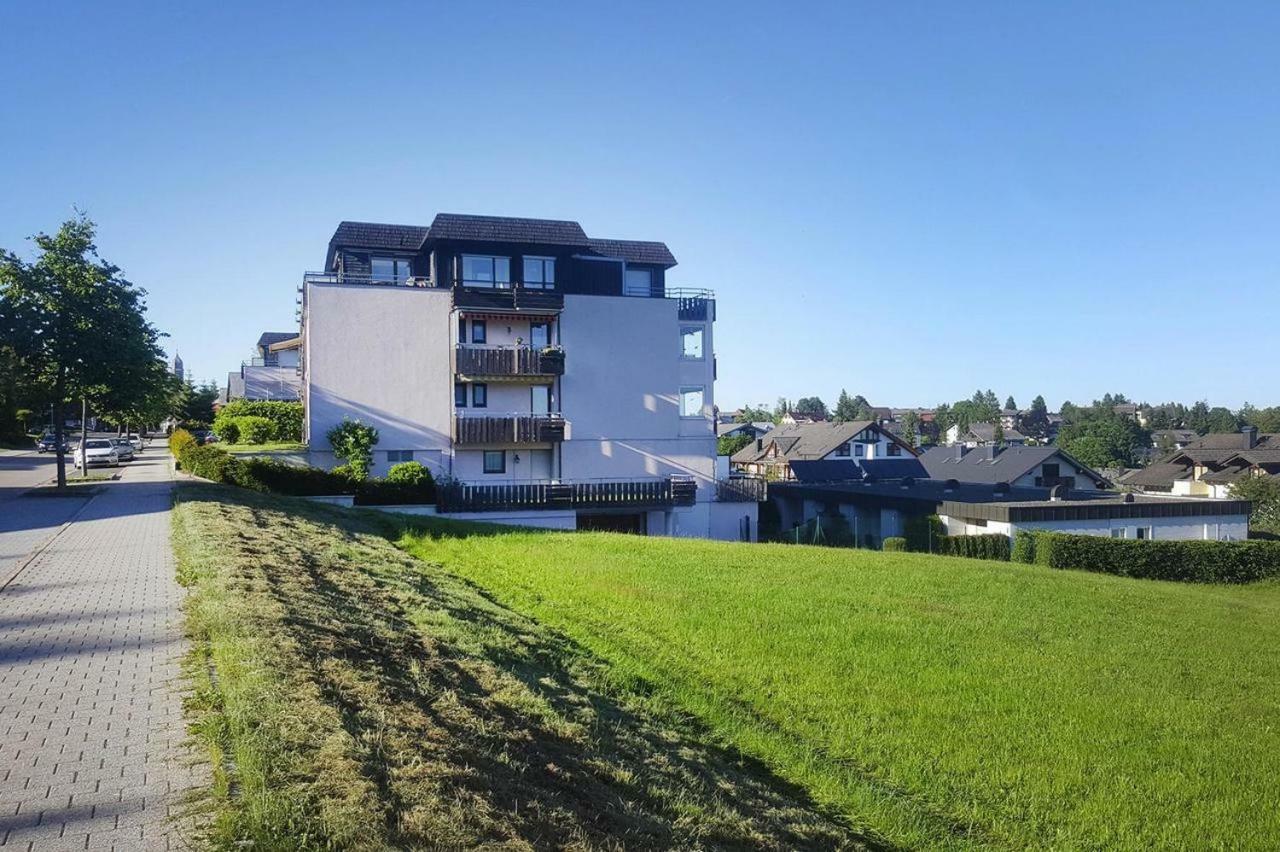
point(509, 429)
point(507, 297)
point(742, 490)
point(514, 361)
point(584, 494)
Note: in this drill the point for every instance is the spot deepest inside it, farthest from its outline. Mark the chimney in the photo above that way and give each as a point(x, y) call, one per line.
point(1250, 437)
point(989, 452)
point(958, 451)
point(759, 444)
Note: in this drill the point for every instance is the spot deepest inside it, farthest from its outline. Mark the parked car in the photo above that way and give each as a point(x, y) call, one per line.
point(204, 436)
point(124, 449)
point(97, 451)
point(136, 442)
point(49, 444)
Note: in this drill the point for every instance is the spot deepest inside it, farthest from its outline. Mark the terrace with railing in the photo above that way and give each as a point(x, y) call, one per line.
point(650, 493)
point(473, 361)
point(507, 429)
point(742, 490)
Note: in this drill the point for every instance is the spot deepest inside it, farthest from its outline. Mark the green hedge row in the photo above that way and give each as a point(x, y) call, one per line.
point(1185, 561)
point(245, 430)
point(894, 543)
point(989, 546)
point(286, 419)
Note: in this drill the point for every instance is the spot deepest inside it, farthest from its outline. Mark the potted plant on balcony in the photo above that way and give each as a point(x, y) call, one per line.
point(552, 360)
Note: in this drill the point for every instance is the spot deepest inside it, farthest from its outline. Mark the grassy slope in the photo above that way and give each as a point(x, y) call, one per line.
point(352, 697)
point(937, 700)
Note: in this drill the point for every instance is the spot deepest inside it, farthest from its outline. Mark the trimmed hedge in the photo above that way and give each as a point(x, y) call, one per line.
point(894, 543)
point(179, 442)
point(256, 430)
point(287, 416)
point(275, 477)
point(989, 546)
point(921, 531)
point(1024, 547)
point(228, 429)
point(1183, 561)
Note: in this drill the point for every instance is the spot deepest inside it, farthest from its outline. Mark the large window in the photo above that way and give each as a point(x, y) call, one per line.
point(690, 402)
point(691, 342)
point(539, 272)
point(479, 395)
point(540, 399)
point(391, 269)
point(479, 331)
point(486, 271)
point(539, 335)
point(639, 282)
point(495, 461)
point(459, 395)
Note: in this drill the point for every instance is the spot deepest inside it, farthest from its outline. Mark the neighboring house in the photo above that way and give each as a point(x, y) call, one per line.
point(982, 434)
point(548, 378)
point(1209, 466)
point(1010, 418)
point(1019, 467)
point(771, 455)
point(1132, 412)
point(274, 373)
point(732, 430)
point(877, 509)
point(790, 418)
point(1173, 439)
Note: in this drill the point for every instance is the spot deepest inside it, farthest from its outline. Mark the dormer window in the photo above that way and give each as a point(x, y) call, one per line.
point(486, 271)
point(391, 270)
point(539, 272)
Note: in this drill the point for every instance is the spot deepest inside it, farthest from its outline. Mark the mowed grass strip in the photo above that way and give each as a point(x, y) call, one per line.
point(352, 697)
point(938, 701)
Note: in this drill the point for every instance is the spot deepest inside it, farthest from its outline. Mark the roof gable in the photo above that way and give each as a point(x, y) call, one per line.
point(635, 251)
point(505, 229)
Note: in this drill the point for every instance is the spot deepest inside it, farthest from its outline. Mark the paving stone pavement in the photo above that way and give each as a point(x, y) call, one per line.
point(91, 729)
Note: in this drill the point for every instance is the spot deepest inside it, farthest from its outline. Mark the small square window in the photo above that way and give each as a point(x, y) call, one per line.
point(459, 395)
point(857, 449)
point(479, 396)
point(1117, 532)
point(495, 461)
point(539, 272)
point(691, 343)
point(894, 449)
point(843, 450)
point(690, 402)
point(396, 456)
point(479, 331)
point(1144, 533)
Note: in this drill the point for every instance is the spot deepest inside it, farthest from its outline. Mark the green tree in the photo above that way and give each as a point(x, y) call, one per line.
point(1264, 493)
point(353, 442)
point(1035, 422)
point(727, 445)
point(196, 403)
point(1010, 405)
point(811, 406)
point(1198, 417)
point(850, 408)
point(1222, 420)
point(757, 414)
point(910, 426)
point(82, 331)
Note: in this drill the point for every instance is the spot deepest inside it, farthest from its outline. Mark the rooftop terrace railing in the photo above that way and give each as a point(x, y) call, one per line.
point(640, 493)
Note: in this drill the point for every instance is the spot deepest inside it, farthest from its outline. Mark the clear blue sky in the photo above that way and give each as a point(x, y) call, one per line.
point(905, 200)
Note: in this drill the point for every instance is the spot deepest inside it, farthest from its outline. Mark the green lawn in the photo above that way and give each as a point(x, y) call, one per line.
point(936, 701)
point(275, 447)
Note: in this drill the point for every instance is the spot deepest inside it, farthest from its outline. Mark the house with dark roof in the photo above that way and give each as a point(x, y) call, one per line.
point(273, 373)
point(1020, 467)
point(859, 441)
point(549, 377)
point(982, 434)
point(1210, 465)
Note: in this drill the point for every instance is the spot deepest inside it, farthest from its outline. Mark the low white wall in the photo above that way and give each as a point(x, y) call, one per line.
point(1207, 527)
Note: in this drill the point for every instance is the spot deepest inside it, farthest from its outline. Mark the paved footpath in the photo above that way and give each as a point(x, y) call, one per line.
point(91, 727)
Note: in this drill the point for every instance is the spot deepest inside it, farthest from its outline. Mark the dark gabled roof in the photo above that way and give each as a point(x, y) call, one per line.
point(802, 441)
point(634, 251)
point(838, 470)
point(987, 432)
point(1158, 475)
point(1006, 465)
point(270, 337)
point(505, 229)
point(1233, 441)
point(373, 235)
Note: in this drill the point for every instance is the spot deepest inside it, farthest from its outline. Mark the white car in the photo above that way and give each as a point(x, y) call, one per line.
point(136, 441)
point(97, 451)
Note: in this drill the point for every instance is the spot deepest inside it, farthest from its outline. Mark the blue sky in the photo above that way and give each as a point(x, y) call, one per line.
point(906, 200)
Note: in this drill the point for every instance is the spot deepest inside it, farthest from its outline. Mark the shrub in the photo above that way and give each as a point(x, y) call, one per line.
point(353, 442)
point(409, 473)
point(180, 440)
point(922, 533)
point(384, 492)
point(989, 546)
point(895, 543)
point(208, 462)
point(286, 416)
point(276, 477)
point(227, 428)
point(255, 430)
point(1185, 561)
point(1024, 547)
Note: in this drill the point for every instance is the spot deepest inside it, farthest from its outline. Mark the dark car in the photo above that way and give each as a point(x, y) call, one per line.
point(204, 436)
point(49, 444)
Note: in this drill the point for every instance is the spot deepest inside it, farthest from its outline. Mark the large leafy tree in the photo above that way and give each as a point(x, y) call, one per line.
point(1099, 437)
point(811, 406)
point(850, 408)
point(79, 327)
point(1036, 421)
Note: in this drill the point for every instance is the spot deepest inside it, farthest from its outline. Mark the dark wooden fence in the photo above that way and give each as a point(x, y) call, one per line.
point(587, 494)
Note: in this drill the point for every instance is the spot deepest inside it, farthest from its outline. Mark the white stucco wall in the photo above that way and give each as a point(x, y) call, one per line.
point(380, 355)
point(1208, 527)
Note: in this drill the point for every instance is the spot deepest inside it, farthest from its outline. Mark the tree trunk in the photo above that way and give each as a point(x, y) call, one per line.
point(58, 434)
point(84, 435)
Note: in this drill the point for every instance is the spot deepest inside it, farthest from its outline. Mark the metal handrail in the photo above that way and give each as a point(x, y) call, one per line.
point(427, 281)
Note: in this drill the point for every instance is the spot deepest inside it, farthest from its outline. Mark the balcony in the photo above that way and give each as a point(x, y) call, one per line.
point(481, 363)
point(507, 297)
point(693, 305)
point(747, 489)
point(584, 494)
point(348, 278)
point(507, 429)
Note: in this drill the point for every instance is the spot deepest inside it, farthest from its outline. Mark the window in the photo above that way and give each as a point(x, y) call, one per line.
point(858, 449)
point(459, 395)
point(462, 329)
point(843, 450)
point(539, 272)
point(495, 461)
point(479, 331)
point(394, 456)
point(485, 271)
point(690, 402)
point(393, 269)
point(479, 395)
point(894, 449)
point(638, 282)
point(540, 399)
point(1143, 533)
point(539, 335)
point(1117, 532)
point(1050, 471)
point(691, 342)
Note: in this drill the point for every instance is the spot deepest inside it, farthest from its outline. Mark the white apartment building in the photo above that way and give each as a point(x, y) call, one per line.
point(545, 377)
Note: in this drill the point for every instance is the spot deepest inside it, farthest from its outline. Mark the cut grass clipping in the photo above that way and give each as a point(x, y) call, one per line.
point(354, 697)
point(938, 701)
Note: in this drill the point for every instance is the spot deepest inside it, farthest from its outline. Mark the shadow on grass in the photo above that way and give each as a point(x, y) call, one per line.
point(477, 725)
